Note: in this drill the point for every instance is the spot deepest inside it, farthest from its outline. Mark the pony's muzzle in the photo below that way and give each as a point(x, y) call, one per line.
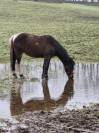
point(70, 74)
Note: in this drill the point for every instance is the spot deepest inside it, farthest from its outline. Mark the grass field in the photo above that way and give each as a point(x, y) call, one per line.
point(75, 26)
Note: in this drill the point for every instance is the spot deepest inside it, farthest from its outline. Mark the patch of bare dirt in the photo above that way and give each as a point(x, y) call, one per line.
point(84, 120)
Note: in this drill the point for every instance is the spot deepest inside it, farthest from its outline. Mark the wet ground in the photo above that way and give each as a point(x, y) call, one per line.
point(85, 120)
point(55, 100)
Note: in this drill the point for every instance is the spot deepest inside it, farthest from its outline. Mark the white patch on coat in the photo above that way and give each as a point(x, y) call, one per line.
point(37, 43)
point(19, 69)
point(10, 39)
point(13, 37)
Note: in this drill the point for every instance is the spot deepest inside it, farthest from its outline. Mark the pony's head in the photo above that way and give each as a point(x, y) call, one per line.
point(69, 68)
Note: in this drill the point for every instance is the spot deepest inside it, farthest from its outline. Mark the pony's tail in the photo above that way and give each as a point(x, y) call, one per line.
point(12, 54)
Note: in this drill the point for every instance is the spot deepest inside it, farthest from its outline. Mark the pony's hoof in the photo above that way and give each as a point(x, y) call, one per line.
point(44, 77)
point(22, 76)
point(14, 75)
point(71, 77)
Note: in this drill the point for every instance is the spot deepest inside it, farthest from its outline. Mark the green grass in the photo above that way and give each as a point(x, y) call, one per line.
point(75, 26)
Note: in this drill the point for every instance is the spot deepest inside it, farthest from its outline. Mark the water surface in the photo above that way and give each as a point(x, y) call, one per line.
point(18, 96)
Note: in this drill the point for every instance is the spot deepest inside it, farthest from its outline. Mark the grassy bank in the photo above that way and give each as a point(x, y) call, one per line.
point(75, 26)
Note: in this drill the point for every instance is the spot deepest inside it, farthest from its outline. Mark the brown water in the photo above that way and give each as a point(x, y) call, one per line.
point(18, 96)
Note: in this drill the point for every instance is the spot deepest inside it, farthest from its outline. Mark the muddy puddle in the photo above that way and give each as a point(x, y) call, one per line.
point(31, 94)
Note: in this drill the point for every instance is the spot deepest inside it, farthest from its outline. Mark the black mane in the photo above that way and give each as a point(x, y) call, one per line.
point(62, 54)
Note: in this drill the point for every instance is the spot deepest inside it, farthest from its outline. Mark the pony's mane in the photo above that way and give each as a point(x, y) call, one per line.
point(62, 53)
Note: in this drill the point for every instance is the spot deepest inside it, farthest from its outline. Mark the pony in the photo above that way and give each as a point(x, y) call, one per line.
point(44, 46)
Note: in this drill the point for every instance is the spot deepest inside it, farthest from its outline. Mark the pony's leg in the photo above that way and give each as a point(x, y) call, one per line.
point(12, 63)
point(45, 68)
point(18, 65)
point(13, 68)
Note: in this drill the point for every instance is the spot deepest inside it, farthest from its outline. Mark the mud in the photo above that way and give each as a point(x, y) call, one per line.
point(84, 120)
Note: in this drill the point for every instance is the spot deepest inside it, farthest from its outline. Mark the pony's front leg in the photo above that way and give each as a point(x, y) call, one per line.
point(45, 68)
point(12, 65)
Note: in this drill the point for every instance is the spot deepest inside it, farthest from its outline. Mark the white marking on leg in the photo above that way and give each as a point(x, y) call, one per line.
point(19, 69)
point(13, 72)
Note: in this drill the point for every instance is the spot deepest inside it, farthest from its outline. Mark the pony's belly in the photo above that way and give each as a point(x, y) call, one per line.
point(34, 55)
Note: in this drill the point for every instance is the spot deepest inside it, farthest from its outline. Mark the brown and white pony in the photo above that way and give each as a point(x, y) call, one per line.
point(44, 46)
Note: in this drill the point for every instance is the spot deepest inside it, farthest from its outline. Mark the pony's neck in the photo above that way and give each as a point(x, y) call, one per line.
point(67, 62)
point(64, 59)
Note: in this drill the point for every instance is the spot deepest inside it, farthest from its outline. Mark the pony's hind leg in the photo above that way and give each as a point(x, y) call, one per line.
point(45, 68)
point(18, 65)
point(12, 63)
point(13, 69)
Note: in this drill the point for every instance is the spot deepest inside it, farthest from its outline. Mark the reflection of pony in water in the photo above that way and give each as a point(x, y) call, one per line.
point(17, 106)
point(39, 46)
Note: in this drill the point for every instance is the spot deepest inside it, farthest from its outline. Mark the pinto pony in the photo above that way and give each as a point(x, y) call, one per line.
point(38, 46)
